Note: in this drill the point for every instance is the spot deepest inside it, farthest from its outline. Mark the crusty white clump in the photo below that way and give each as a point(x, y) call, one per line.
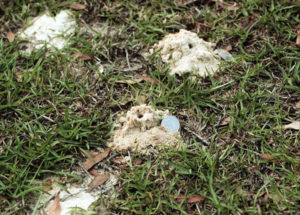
point(187, 53)
point(48, 30)
point(140, 130)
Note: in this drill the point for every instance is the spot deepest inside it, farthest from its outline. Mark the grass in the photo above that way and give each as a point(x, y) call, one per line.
point(52, 107)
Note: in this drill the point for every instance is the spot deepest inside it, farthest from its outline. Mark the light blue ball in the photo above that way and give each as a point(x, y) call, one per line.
point(172, 123)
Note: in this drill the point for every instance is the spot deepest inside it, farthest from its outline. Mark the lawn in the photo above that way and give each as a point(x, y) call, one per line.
point(55, 107)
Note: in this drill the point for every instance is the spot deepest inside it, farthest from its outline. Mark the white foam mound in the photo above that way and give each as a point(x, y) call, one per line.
point(140, 130)
point(77, 196)
point(48, 30)
point(187, 53)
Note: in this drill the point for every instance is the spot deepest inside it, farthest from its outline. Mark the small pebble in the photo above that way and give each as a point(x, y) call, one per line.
point(172, 123)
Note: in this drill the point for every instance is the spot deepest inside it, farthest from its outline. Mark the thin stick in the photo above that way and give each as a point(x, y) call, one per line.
point(198, 136)
point(127, 59)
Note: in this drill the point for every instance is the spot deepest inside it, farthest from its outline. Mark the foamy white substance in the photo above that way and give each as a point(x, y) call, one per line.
point(140, 131)
point(48, 30)
point(187, 53)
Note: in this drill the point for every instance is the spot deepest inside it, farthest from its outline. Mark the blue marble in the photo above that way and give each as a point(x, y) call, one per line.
point(172, 123)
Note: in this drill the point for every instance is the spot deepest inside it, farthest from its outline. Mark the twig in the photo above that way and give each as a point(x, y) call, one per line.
point(64, 198)
point(89, 175)
point(127, 59)
point(45, 117)
point(198, 136)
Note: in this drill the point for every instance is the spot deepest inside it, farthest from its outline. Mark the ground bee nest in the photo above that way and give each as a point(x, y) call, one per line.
point(187, 53)
point(140, 130)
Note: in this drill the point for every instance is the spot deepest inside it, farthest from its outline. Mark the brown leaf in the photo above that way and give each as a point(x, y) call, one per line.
point(94, 172)
point(294, 125)
point(118, 160)
point(195, 198)
point(263, 192)
point(298, 38)
point(139, 80)
point(55, 208)
point(226, 121)
point(226, 5)
point(270, 141)
point(297, 105)
point(228, 48)
point(149, 79)
point(10, 36)
point(77, 6)
point(274, 197)
point(85, 57)
point(48, 183)
point(232, 6)
point(100, 179)
point(137, 161)
point(92, 160)
point(81, 56)
point(266, 156)
point(178, 198)
point(131, 81)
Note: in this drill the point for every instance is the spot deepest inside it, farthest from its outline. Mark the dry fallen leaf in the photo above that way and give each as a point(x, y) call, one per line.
point(81, 56)
point(10, 36)
point(118, 160)
point(228, 48)
point(263, 192)
point(266, 156)
point(139, 80)
point(55, 208)
point(297, 105)
point(92, 160)
point(121, 161)
point(226, 5)
point(100, 179)
point(131, 81)
point(149, 79)
point(271, 141)
point(294, 125)
point(94, 172)
point(48, 185)
point(77, 6)
point(274, 197)
point(232, 7)
point(178, 198)
point(225, 121)
point(192, 199)
point(195, 198)
point(298, 38)
point(137, 161)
